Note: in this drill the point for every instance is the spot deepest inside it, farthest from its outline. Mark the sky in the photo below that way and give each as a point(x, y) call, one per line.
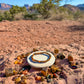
point(31, 2)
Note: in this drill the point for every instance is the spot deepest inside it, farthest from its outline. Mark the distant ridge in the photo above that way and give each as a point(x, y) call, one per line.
point(4, 6)
point(81, 7)
point(71, 7)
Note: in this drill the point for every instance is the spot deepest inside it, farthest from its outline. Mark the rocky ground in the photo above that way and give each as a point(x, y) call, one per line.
point(23, 34)
point(19, 37)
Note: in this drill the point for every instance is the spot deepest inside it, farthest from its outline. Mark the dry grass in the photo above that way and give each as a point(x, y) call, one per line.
point(81, 19)
point(60, 16)
point(19, 16)
point(2, 11)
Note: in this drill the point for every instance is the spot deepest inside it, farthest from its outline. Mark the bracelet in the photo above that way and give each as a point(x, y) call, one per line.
point(40, 61)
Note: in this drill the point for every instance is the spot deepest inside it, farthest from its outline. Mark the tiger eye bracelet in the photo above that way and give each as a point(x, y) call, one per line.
point(40, 61)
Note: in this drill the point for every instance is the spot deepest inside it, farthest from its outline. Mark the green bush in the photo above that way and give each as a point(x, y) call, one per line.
point(45, 6)
point(30, 16)
point(47, 9)
point(7, 15)
point(1, 16)
point(16, 9)
point(77, 15)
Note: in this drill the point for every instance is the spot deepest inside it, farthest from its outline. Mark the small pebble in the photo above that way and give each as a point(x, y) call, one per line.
point(81, 66)
point(55, 75)
point(77, 63)
point(74, 67)
point(69, 73)
point(15, 51)
point(49, 80)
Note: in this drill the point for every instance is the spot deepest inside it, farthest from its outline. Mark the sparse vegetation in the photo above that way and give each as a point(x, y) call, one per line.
point(7, 15)
point(47, 9)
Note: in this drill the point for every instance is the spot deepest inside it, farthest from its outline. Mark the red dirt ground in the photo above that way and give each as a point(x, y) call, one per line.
point(27, 33)
point(16, 37)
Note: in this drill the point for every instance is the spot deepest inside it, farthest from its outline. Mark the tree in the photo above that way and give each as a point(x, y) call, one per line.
point(77, 15)
point(23, 9)
point(7, 15)
point(45, 6)
point(16, 9)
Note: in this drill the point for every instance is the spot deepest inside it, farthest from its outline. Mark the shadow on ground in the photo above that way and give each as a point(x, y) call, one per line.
point(76, 28)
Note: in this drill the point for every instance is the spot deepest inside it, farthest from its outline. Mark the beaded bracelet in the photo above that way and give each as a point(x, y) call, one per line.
point(40, 61)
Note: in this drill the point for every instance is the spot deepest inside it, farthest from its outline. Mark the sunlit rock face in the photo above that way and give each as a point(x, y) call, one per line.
point(4, 6)
point(71, 7)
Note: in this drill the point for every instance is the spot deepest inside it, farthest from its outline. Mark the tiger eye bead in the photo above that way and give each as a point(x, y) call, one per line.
point(15, 72)
point(25, 72)
point(44, 73)
point(56, 51)
point(38, 78)
point(18, 58)
point(34, 50)
point(73, 63)
point(16, 62)
point(22, 55)
point(70, 58)
point(55, 75)
point(54, 68)
point(17, 80)
point(20, 62)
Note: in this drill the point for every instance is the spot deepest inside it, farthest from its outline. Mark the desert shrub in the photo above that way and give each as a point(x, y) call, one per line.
point(1, 16)
point(45, 6)
point(31, 16)
point(52, 11)
point(81, 18)
point(47, 9)
point(77, 15)
point(15, 13)
point(7, 15)
point(60, 13)
point(19, 16)
point(16, 9)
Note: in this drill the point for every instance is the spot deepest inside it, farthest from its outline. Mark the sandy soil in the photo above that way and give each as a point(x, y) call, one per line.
point(19, 37)
point(18, 34)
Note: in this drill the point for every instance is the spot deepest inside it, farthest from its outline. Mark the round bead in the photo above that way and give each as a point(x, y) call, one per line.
point(15, 72)
point(25, 72)
point(55, 75)
point(17, 80)
point(38, 78)
point(70, 58)
point(18, 58)
point(43, 73)
point(73, 64)
point(20, 62)
point(16, 62)
point(56, 51)
point(34, 50)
